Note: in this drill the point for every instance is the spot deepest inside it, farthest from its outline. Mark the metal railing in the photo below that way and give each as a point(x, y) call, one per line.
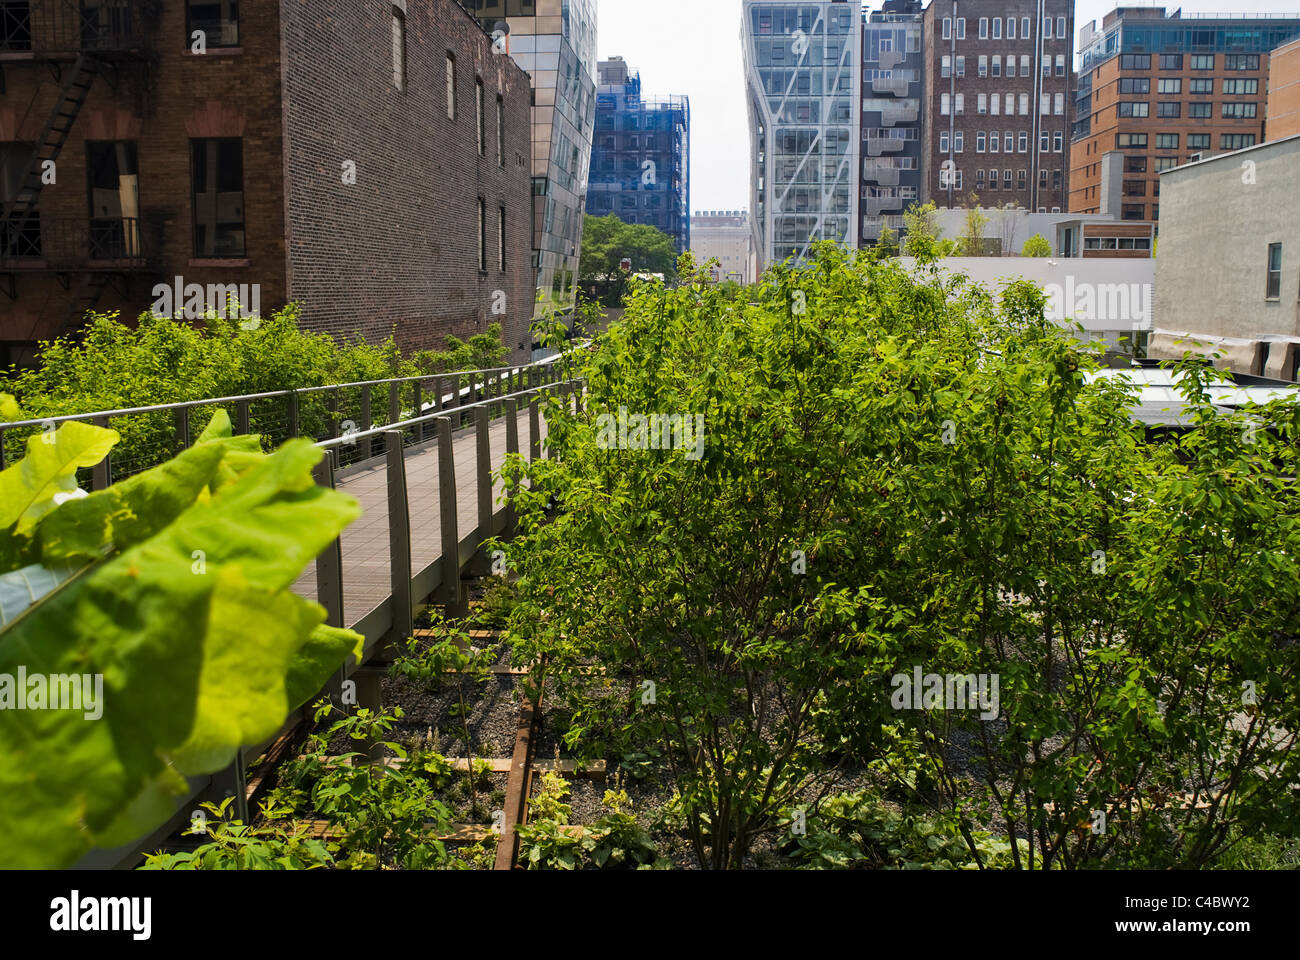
point(37, 242)
point(72, 26)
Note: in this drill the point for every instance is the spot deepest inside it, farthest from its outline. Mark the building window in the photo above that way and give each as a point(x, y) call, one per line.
point(997, 66)
point(1200, 111)
point(945, 66)
point(1023, 141)
point(1165, 163)
point(399, 49)
point(995, 142)
point(1241, 61)
point(482, 234)
point(451, 87)
point(993, 174)
point(1137, 108)
point(1047, 64)
point(1171, 61)
point(478, 117)
point(981, 141)
point(1011, 28)
point(1058, 142)
point(1058, 104)
point(1135, 188)
point(1044, 142)
point(959, 142)
point(1042, 182)
point(112, 175)
point(217, 188)
point(1021, 179)
point(1045, 104)
point(1006, 179)
point(961, 28)
point(1169, 110)
point(984, 28)
point(1239, 111)
point(997, 28)
point(961, 66)
point(1131, 140)
point(1133, 211)
point(984, 66)
point(1195, 141)
point(1236, 141)
point(1236, 88)
point(1135, 61)
point(1009, 141)
point(982, 103)
point(1024, 65)
point(1134, 164)
point(218, 19)
point(1131, 85)
point(943, 142)
point(501, 238)
point(1060, 64)
point(1202, 61)
point(1201, 87)
point(1024, 28)
point(1047, 29)
point(1024, 104)
point(1168, 85)
point(1273, 289)
point(979, 179)
point(947, 28)
point(945, 104)
point(1060, 28)
point(959, 104)
point(501, 132)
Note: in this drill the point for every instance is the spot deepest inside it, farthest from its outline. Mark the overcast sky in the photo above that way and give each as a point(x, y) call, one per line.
point(693, 47)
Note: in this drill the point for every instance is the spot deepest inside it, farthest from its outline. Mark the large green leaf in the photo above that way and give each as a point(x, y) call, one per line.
point(28, 489)
point(194, 632)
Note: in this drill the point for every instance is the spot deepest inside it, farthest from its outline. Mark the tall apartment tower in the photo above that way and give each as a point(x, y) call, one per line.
point(803, 73)
point(555, 41)
point(998, 76)
point(641, 156)
point(892, 116)
point(1156, 90)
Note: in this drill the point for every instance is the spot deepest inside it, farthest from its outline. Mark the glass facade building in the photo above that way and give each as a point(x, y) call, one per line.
point(803, 76)
point(640, 162)
point(892, 95)
point(555, 41)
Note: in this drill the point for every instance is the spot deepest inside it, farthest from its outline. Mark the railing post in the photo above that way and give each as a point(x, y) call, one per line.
point(419, 409)
point(394, 402)
point(181, 428)
point(293, 414)
point(242, 419)
point(102, 474)
point(329, 579)
point(534, 429)
point(483, 463)
point(451, 593)
point(332, 407)
point(399, 536)
point(512, 446)
point(367, 420)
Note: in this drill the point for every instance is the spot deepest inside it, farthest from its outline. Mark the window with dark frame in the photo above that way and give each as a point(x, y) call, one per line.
point(15, 26)
point(451, 86)
point(478, 117)
point(501, 238)
point(113, 190)
point(217, 188)
point(482, 235)
point(501, 131)
point(399, 49)
point(1273, 290)
point(218, 19)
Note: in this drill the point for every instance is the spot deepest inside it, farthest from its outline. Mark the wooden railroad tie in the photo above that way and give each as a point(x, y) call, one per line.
point(569, 768)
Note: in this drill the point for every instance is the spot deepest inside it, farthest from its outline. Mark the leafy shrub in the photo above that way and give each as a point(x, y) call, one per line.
point(615, 841)
point(1036, 246)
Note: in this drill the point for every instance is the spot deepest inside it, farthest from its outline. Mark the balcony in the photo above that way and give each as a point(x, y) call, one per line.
point(875, 206)
point(65, 28)
point(894, 86)
point(880, 145)
point(879, 173)
point(67, 244)
point(895, 114)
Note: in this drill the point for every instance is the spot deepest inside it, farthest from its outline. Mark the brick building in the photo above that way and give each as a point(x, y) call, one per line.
point(998, 84)
point(1165, 89)
point(367, 160)
point(1283, 92)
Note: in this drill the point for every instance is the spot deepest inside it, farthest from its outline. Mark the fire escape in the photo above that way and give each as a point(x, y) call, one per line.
point(78, 41)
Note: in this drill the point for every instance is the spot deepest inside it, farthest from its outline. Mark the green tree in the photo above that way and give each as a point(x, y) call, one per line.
point(972, 240)
point(887, 244)
point(1036, 246)
point(607, 241)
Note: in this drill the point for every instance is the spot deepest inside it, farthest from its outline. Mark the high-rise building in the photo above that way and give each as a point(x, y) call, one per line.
point(214, 147)
point(803, 79)
point(998, 83)
point(1164, 88)
point(1283, 92)
point(724, 235)
point(641, 156)
point(555, 41)
point(892, 118)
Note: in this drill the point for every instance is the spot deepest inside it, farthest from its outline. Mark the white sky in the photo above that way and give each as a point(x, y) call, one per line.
point(693, 47)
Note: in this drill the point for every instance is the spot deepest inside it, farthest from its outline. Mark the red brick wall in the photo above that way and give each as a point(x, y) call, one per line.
point(398, 249)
